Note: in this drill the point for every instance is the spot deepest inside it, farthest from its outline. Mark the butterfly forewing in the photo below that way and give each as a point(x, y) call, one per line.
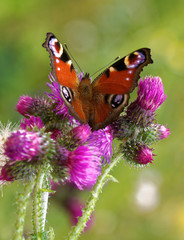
point(114, 85)
point(122, 76)
point(64, 72)
point(61, 64)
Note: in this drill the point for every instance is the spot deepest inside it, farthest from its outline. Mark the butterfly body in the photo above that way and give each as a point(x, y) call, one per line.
point(100, 102)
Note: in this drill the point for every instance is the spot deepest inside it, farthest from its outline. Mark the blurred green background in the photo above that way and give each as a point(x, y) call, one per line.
point(147, 203)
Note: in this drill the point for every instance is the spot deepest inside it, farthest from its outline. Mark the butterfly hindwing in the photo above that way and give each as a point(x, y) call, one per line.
point(107, 109)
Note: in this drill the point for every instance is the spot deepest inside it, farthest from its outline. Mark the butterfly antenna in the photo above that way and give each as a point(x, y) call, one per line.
point(73, 58)
point(107, 65)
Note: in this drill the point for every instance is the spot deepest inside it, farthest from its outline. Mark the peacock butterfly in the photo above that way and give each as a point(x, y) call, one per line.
point(100, 102)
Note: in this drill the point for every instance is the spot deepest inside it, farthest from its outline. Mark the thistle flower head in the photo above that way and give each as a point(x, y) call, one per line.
point(38, 106)
point(5, 132)
point(151, 93)
point(137, 154)
point(56, 97)
point(150, 97)
point(56, 133)
point(84, 166)
point(24, 105)
point(74, 207)
point(6, 175)
point(31, 122)
point(81, 133)
point(144, 155)
point(22, 145)
point(163, 131)
point(102, 139)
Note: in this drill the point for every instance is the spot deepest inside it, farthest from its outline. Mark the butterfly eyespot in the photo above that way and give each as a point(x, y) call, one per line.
point(134, 60)
point(67, 94)
point(114, 100)
point(117, 100)
point(55, 47)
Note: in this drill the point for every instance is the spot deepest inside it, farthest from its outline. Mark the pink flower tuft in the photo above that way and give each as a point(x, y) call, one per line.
point(24, 105)
point(144, 155)
point(6, 175)
point(84, 166)
point(61, 108)
point(102, 139)
point(163, 132)
point(150, 97)
point(74, 207)
point(81, 133)
point(22, 145)
point(31, 122)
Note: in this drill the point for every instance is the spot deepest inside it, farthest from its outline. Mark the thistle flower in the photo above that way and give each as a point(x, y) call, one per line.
point(137, 129)
point(84, 166)
point(144, 155)
point(5, 132)
point(136, 153)
point(31, 122)
point(6, 175)
point(38, 107)
point(69, 198)
point(56, 96)
point(55, 133)
point(163, 131)
point(102, 139)
point(74, 207)
point(22, 145)
point(150, 97)
point(81, 133)
point(24, 105)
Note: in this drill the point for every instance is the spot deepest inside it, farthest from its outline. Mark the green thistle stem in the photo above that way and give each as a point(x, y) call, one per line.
point(45, 205)
point(21, 209)
point(40, 203)
point(104, 177)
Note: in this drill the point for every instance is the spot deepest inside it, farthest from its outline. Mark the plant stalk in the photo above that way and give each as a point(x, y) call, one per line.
point(40, 204)
point(21, 209)
point(104, 177)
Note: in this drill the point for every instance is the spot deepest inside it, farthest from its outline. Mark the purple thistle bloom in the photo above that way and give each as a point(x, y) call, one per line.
point(84, 166)
point(24, 105)
point(150, 97)
point(28, 106)
point(163, 131)
point(55, 133)
point(22, 145)
point(151, 93)
point(81, 133)
point(31, 122)
point(144, 155)
point(74, 207)
point(5, 175)
point(56, 96)
point(102, 139)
